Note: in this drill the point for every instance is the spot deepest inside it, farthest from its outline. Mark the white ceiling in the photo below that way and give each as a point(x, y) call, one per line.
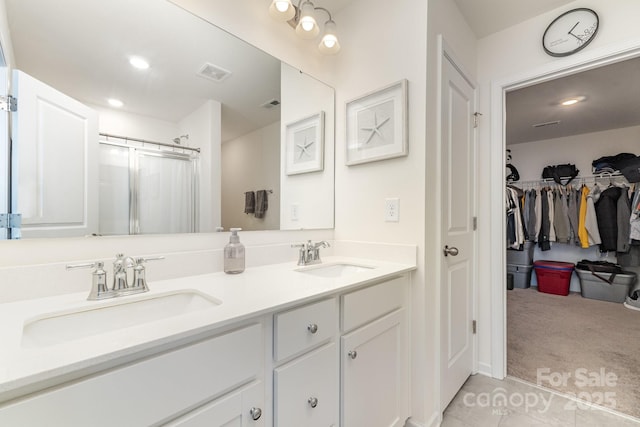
point(489, 16)
point(611, 94)
point(81, 47)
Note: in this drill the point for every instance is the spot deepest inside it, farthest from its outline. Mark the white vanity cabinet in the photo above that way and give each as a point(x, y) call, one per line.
point(306, 389)
point(374, 356)
point(160, 389)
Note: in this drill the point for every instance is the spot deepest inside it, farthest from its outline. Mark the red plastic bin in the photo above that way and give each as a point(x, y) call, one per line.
point(554, 277)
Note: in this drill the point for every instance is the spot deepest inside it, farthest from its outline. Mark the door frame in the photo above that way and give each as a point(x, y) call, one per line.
point(446, 53)
point(570, 65)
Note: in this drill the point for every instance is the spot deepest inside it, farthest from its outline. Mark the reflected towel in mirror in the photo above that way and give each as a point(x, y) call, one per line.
point(249, 202)
point(262, 204)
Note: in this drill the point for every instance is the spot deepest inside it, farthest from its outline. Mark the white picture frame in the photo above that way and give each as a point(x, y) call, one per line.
point(376, 125)
point(305, 145)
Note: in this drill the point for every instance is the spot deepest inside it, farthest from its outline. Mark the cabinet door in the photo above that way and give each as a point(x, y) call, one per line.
point(242, 408)
point(375, 373)
point(306, 390)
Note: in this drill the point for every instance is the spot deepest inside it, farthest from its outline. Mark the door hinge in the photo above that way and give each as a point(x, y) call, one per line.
point(13, 223)
point(474, 326)
point(476, 116)
point(8, 103)
point(475, 223)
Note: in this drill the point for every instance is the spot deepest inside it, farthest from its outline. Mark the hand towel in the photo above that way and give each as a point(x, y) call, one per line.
point(262, 204)
point(249, 202)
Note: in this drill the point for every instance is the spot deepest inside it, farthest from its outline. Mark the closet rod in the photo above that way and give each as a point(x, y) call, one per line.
point(575, 180)
point(144, 141)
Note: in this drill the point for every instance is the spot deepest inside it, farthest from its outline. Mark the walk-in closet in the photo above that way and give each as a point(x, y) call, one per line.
point(572, 222)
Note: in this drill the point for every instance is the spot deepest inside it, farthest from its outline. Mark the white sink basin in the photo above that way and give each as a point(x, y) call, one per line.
point(334, 270)
point(59, 327)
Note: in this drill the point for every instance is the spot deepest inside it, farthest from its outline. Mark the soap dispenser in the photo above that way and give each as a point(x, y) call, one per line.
point(234, 254)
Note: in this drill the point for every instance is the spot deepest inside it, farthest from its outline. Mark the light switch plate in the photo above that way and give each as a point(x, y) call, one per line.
point(295, 212)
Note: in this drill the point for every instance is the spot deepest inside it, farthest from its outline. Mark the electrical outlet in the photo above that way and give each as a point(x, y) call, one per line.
point(295, 212)
point(392, 210)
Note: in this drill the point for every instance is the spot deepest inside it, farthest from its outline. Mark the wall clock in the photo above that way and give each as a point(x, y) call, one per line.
point(570, 32)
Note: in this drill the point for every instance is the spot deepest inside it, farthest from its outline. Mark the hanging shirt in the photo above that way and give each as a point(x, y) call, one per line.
point(583, 234)
point(543, 237)
point(634, 220)
point(531, 208)
point(560, 218)
point(573, 213)
point(551, 212)
point(591, 220)
point(624, 226)
point(538, 210)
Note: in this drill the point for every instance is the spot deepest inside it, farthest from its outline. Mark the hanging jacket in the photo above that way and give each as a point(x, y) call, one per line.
point(543, 237)
point(591, 221)
point(583, 234)
point(624, 225)
point(606, 212)
point(552, 228)
point(572, 211)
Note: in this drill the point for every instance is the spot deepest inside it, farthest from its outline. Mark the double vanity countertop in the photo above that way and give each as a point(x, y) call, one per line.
point(73, 337)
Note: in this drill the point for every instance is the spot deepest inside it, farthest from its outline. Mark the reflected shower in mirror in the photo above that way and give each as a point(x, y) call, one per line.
point(152, 120)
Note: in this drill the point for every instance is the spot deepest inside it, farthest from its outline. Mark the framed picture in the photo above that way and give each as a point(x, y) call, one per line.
point(377, 125)
point(305, 145)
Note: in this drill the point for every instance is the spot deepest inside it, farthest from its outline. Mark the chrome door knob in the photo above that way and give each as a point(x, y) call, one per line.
point(312, 327)
point(453, 251)
point(352, 354)
point(313, 402)
point(255, 413)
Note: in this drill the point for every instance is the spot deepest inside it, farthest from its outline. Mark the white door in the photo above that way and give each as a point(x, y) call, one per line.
point(55, 161)
point(458, 237)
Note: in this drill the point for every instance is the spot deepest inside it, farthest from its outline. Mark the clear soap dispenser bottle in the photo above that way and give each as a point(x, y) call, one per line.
point(234, 254)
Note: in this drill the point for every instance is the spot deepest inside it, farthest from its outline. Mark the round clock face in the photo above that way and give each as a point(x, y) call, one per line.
point(570, 32)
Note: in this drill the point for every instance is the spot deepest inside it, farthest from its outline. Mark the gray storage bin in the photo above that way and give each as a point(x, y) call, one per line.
point(595, 288)
point(523, 257)
point(521, 275)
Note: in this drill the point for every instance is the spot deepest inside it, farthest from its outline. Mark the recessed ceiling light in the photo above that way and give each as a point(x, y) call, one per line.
point(139, 63)
point(115, 102)
point(572, 101)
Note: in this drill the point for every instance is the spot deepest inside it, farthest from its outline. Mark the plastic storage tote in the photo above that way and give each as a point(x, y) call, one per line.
point(521, 275)
point(595, 288)
point(554, 277)
point(523, 257)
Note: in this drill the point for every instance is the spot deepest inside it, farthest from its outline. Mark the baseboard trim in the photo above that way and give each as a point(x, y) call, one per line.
point(485, 369)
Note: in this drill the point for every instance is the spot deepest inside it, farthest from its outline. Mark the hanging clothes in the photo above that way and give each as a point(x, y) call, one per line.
point(634, 221)
point(623, 211)
point(543, 237)
point(573, 213)
point(538, 211)
point(560, 217)
point(591, 219)
point(607, 218)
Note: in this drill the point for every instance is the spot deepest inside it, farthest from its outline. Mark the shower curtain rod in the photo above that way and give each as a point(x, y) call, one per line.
point(144, 141)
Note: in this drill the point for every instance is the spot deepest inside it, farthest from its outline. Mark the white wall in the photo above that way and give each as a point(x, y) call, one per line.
point(513, 55)
point(122, 123)
point(251, 163)
point(204, 126)
point(303, 96)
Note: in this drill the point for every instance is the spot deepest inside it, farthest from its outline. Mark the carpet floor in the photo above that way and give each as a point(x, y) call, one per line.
point(582, 347)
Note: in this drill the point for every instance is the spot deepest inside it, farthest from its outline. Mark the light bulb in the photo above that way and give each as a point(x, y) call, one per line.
point(329, 44)
point(139, 63)
point(307, 27)
point(115, 102)
point(282, 10)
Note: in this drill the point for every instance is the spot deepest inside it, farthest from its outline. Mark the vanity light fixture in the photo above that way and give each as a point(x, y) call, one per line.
point(139, 63)
point(573, 101)
point(115, 102)
point(301, 17)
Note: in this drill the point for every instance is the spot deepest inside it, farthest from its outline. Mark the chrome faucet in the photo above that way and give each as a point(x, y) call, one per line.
point(310, 252)
point(120, 285)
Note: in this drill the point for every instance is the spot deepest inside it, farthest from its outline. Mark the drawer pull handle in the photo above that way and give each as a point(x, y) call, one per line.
point(352, 354)
point(256, 413)
point(312, 327)
point(313, 402)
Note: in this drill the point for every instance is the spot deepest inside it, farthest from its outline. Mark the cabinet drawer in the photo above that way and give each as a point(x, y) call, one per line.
point(370, 303)
point(303, 328)
point(306, 390)
point(148, 392)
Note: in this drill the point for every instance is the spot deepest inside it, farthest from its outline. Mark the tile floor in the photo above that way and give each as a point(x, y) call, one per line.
point(486, 402)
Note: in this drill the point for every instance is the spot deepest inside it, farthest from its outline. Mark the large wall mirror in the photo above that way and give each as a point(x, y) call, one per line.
point(137, 117)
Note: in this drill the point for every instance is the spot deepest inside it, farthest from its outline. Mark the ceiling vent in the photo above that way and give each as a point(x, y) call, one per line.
point(271, 103)
point(213, 72)
point(541, 125)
